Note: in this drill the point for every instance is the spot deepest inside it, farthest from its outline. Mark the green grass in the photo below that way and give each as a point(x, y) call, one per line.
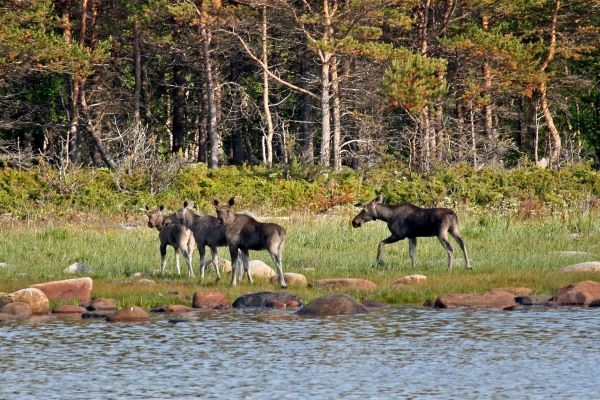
point(504, 252)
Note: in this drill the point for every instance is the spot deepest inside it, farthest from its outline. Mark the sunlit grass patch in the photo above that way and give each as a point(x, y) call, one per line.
point(504, 252)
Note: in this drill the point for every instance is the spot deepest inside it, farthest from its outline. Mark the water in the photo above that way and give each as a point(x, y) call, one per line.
point(393, 353)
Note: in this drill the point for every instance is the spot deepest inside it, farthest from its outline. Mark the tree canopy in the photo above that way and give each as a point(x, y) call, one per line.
point(129, 84)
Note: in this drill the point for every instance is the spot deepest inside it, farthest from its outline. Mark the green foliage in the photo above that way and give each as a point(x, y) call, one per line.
point(413, 81)
point(39, 191)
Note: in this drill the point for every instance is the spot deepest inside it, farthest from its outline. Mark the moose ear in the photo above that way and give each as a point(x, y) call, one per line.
point(215, 202)
point(378, 199)
point(231, 202)
point(161, 208)
point(147, 208)
point(185, 204)
point(361, 205)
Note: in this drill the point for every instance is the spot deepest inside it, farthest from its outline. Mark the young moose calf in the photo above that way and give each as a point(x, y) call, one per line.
point(410, 221)
point(207, 231)
point(171, 233)
point(244, 233)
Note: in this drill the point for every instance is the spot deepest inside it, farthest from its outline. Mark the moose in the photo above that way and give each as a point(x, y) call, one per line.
point(410, 221)
point(171, 233)
point(245, 233)
point(207, 231)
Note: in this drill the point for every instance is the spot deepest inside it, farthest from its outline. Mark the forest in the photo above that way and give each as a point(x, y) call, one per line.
point(129, 85)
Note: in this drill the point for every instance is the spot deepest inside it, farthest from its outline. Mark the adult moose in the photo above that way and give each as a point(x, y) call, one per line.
point(244, 233)
point(409, 221)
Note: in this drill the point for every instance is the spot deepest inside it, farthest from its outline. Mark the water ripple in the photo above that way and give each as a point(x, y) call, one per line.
point(396, 352)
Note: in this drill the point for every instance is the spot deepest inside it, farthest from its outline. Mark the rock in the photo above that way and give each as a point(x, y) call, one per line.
point(337, 304)
point(515, 291)
point(17, 309)
point(493, 299)
point(172, 308)
point(582, 293)
point(533, 300)
point(5, 298)
point(345, 283)
point(69, 309)
point(571, 253)
point(77, 268)
point(79, 289)
point(258, 269)
point(292, 279)
point(410, 280)
point(131, 314)
point(587, 266)
point(35, 298)
point(7, 317)
point(103, 304)
point(373, 304)
point(268, 300)
point(93, 315)
point(210, 300)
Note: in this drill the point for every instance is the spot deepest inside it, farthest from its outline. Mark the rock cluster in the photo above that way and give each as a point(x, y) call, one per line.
point(74, 297)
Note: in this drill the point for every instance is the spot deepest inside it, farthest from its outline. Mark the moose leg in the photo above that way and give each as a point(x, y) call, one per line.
point(391, 239)
point(277, 260)
point(215, 261)
point(461, 243)
point(233, 252)
point(163, 258)
point(202, 251)
point(412, 250)
point(246, 261)
point(187, 255)
point(443, 238)
point(177, 260)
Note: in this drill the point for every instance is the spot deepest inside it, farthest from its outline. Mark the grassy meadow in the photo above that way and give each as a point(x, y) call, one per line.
point(505, 251)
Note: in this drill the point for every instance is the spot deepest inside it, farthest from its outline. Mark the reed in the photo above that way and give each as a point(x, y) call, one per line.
point(504, 251)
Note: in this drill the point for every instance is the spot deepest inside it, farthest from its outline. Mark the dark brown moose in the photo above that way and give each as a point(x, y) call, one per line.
point(244, 233)
point(409, 221)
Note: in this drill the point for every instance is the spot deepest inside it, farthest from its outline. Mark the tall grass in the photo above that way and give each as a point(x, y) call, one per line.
point(504, 251)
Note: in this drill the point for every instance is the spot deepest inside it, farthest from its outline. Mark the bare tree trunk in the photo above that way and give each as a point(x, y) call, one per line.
point(307, 142)
point(461, 137)
point(268, 157)
point(337, 116)
point(326, 57)
point(487, 106)
point(213, 134)
point(203, 130)
point(137, 59)
point(179, 101)
point(325, 111)
point(72, 142)
point(554, 136)
point(473, 135)
point(95, 132)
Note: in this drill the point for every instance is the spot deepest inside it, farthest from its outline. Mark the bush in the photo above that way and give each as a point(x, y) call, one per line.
point(33, 193)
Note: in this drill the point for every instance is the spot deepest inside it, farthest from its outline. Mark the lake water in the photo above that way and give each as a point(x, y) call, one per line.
point(392, 353)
